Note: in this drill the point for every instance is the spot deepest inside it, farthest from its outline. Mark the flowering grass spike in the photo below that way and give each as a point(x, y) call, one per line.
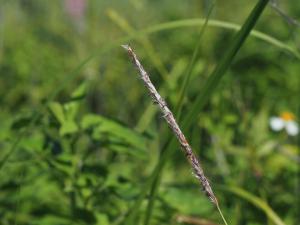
point(168, 115)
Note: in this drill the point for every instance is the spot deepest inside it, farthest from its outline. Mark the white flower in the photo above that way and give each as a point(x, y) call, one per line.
point(292, 128)
point(276, 123)
point(285, 121)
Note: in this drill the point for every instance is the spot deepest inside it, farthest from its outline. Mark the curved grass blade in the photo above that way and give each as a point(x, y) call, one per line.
point(191, 65)
point(221, 24)
point(258, 202)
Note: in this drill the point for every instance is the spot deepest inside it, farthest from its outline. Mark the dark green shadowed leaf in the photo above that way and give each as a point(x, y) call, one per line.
point(184, 201)
point(66, 114)
point(102, 126)
point(58, 111)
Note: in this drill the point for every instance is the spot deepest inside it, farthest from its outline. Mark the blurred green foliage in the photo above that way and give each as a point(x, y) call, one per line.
point(79, 136)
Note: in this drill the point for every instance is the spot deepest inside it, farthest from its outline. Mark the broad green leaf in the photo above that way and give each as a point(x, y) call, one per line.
point(63, 167)
point(85, 215)
point(21, 122)
point(187, 201)
point(79, 92)
point(67, 124)
point(34, 143)
point(102, 219)
point(66, 113)
point(58, 111)
point(51, 219)
point(71, 108)
point(68, 127)
point(104, 126)
point(128, 150)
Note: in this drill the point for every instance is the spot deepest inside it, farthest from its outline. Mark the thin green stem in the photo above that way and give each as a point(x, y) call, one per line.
point(191, 65)
point(220, 212)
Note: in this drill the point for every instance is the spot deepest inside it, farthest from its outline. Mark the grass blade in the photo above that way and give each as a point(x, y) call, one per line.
point(220, 24)
point(191, 65)
point(258, 202)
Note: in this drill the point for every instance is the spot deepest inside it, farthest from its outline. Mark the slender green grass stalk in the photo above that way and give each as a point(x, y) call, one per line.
point(222, 216)
point(209, 88)
point(188, 74)
point(221, 24)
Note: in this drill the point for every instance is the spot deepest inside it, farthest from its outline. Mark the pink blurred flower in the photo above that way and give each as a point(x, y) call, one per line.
point(76, 11)
point(76, 8)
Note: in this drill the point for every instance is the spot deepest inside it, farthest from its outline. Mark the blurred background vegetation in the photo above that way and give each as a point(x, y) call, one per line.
point(79, 136)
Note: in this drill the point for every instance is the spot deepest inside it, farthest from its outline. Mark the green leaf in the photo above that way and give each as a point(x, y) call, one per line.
point(71, 108)
point(33, 143)
point(66, 113)
point(187, 201)
point(21, 122)
point(65, 116)
point(85, 215)
point(51, 219)
point(80, 91)
point(68, 127)
point(58, 111)
point(104, 126)
point(127, 150)
point(62, 166)
point(102, 219)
